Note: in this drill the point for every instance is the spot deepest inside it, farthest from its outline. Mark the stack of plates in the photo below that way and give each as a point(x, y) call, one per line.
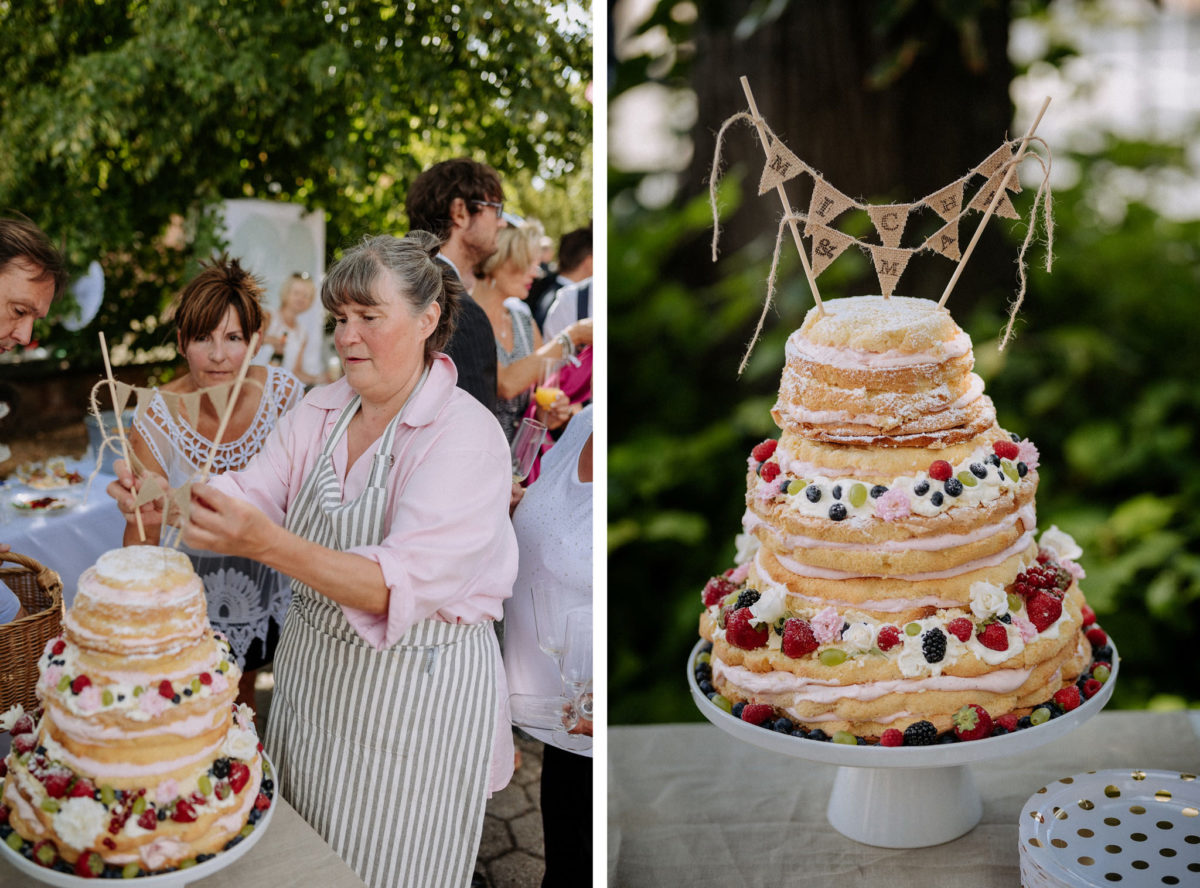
point(1107, 828)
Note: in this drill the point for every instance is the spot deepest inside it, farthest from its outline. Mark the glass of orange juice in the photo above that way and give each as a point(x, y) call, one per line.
point(548, 390)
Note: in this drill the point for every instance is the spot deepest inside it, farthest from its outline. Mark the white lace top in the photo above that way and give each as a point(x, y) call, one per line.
point(243, 595)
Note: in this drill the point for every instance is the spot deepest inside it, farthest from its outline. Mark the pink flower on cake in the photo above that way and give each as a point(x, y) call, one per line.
point(1073, 569)
point(827, 626)
point(893, 505)
point(166, 792)
point(88, 700)
point(1027, 453)
point(1027, 629)
point(219, 682)
point(739, 574)
point(152, 703)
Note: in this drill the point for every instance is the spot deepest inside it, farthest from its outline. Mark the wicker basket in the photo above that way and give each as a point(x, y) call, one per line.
point(22, 641)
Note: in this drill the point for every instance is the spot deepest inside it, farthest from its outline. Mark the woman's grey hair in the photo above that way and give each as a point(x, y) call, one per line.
point(420, 277)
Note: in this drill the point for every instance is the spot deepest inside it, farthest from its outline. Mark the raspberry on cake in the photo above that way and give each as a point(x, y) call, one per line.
point(873, 618)
point(120, 771)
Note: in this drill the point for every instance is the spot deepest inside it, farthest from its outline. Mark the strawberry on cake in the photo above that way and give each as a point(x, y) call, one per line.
point(890, 579)
point(140, 761)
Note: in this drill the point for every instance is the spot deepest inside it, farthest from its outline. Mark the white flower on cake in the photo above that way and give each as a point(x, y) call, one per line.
point(912, 661)
point(771, 605)
point(79, 821)
point(859, 636)
point(243, 717)
point(988, 600)
point(241, 744)
point(11, 717)
point(1060, 543)
point(747, 547)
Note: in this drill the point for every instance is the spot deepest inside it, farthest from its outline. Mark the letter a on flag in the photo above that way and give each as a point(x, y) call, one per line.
point(827, 245)
point(889, 265)
point(826, 205)
point(945, 241)
point(782, 165)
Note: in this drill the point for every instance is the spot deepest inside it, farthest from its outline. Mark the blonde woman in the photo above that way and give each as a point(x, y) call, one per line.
point(504, 279)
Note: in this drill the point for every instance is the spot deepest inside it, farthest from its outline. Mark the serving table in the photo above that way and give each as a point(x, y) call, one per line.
point(690, 804)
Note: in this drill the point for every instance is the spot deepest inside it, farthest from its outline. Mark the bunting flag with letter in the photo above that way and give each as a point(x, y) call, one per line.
point(889, 265)
point(827, 204)
point(781, 165)
point(947, 203)
point(827, 244)
point(889, 221)
point(945, 241)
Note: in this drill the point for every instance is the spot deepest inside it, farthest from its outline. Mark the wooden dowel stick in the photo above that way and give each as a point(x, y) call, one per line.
point(230, 404)
point(787, 208)
point(112, 392)
point(995, 202)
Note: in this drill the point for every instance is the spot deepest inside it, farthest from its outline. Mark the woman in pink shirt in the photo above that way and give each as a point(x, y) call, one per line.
point(385, 496)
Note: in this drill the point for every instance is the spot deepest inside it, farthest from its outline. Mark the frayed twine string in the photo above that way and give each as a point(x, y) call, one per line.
point(1045, 197)
point(716, 173)
point(784, 221)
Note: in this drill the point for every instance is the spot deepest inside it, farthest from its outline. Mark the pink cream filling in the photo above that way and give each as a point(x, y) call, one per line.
point(853, 358)
point(89, 730)
point(1001, 681)
point(804, 570)
point(100, 770)
point(935, 543)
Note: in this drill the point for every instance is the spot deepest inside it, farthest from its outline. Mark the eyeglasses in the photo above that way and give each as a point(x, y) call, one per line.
point(498, 207)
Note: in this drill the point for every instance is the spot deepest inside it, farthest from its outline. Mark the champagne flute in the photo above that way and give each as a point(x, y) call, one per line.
point(526, 445)
point(548, 389)
point(549, 622)
point(576, 665)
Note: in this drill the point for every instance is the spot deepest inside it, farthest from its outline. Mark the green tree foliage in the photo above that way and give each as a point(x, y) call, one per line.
point(116, 115)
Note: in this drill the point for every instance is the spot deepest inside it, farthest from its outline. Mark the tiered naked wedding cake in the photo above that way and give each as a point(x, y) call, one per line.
point(140, 761)
point(890, 586)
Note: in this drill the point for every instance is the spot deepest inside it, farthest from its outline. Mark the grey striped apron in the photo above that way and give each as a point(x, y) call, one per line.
point(387, 754)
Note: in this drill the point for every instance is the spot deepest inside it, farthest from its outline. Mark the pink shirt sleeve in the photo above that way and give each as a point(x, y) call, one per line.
point(450, 552)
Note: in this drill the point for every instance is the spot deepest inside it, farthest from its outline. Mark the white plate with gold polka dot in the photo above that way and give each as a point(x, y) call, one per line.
point(1117, 827)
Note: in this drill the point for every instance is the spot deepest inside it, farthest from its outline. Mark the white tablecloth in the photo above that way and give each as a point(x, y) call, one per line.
point(690, 805)
point(67, 541)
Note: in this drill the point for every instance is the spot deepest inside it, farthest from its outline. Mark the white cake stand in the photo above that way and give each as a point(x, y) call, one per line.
point(176, 878)
point(902, 797)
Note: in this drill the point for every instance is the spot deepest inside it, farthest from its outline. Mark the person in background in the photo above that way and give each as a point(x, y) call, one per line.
point(215, 316)
point(285, 338)
point(503, 283)
point(33, 274)
point(385, 496)
point(461, 201)
point(553, 523)
point(574, 265)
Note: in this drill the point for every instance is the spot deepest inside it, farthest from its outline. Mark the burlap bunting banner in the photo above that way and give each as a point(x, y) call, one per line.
point(123, 391)
point(826, 205)
point(947, 203)
point(889, 221)
point(983, 198)
point(945, 241)
point(148, 491)
point(781, 165)
point(827, 244)
point(889, 265)
point(995, 161)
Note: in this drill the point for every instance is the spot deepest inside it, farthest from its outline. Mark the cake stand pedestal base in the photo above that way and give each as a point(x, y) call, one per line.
point(904, 808)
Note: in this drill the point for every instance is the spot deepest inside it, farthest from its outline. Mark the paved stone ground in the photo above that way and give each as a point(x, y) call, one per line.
point(510, 852)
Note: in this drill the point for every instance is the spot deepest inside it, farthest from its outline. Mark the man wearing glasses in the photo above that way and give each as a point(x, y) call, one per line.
point(462, 202)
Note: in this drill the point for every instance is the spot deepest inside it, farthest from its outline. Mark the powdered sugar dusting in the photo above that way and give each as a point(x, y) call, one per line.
point(875, 324)
point(140, 565)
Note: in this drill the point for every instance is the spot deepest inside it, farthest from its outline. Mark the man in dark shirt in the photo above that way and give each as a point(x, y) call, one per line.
point(462, 202)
